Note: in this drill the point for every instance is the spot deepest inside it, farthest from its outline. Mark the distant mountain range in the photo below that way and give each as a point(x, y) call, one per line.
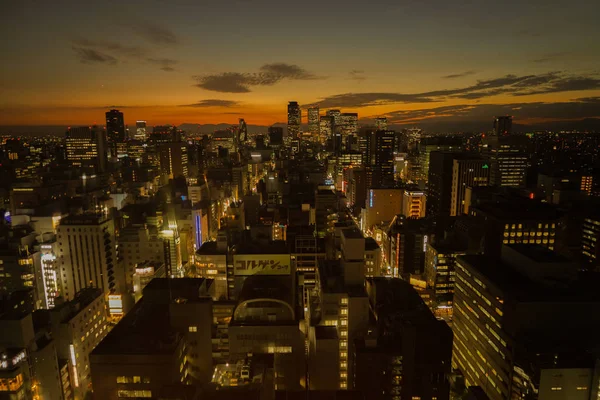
point(589, 125)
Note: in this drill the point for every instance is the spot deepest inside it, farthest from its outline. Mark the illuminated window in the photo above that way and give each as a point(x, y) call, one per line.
point(137, 379)
point(344, 300)
point(193, 328)
point(344, 311)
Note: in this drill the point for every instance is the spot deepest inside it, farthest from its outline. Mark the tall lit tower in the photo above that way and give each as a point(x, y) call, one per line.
point(381, 123)
point(115, 130)
point(503, 125)
point(313, 121)
point(294, 120)
point(140, 130)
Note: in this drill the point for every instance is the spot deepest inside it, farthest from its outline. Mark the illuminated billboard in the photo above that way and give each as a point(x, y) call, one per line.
point(261, 264)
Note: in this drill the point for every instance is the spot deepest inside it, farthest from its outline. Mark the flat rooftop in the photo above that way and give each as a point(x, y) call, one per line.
point(146, 329)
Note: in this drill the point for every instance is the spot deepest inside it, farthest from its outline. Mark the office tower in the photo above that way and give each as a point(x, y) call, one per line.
point(174, 159)
point(78, 326)
point(164, 134)
point(406, 245)
point(336, 114)
point(294, 120)
point(407, 356)
point(349, 124)
point(440, 272)
point(383, 158)
point(427, 145)
point(382, 205)
point(326, 124)
point(466, 172)
point(503, 125)
point(508, 155)
point(590, 242)
point(519, 221)
point(326, 203)
point(165, 340)
point(313, 122)
point(381, 124)
point(47, 270)
point(140, 131)
point(115, 130)
point(88, 255)
point(86, 148)
point(139, 244)
point(413, 204)
point(511, 319)
point(275, 136)
point(224, 139)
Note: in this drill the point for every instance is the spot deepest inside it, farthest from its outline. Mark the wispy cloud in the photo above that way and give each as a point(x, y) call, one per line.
point(91, 56)
point(580, 108)
point(268, 75)
point(155, 33)
point(89, 51)
point(213, 103)
point(551, 82)
point(550, 57)
point(166, 64)
point(357, 75)
point(460, 75)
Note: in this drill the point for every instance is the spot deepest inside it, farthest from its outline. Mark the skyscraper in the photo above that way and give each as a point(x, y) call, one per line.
point(503, 125)
point(507, 154)
point(336, 114)
point(383, 158)
point(275, 136)
point(140, 130)
point(349, 124)
point(467, 171)
point(313, 122)
point(326, 124)
point(174, 159)
point(381, 123)
point(88, 255)
point(294, 120)
point(86, 148)
point(115, 130)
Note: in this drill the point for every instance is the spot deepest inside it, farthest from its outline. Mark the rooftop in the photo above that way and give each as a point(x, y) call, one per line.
point(519, 209)
point(146, 329)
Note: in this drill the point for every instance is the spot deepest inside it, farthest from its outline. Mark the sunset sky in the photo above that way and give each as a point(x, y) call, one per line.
point(66, 61)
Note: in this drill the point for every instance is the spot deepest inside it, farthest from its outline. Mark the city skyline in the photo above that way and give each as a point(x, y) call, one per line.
point(191, 63)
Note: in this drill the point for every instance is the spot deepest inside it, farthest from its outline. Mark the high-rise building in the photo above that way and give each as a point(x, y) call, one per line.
point(78, 326)
point(383, 158)
point(115, 130)
point(174, 159)
point(140, 130)
point(413, 204)
point(336, 114)
point(429, 144)
point(86, 148)
point(348, 124)
point(88, 255)
point(381, 123)
point(590, 242)
point(503, 125)
point(466, 172)
point(313, 122)
point(275, 136)
point(408, 355)
point(511, 319)
point(294, 120)
point(508, 154)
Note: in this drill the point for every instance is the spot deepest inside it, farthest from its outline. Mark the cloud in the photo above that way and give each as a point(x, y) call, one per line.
point(156, 34)
point(528, 33)
point(550, 82)
point(114, 51)
point(357, 75)
point(268, 75)
point(460, 75)
point(550, 57)
point(213, 103)
point(166, 64)
point(90, 56)
point(112, 47)
point(580, 108)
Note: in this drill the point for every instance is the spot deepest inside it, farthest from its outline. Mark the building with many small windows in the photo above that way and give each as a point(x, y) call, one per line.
point(78, 326)
point(513, 324)
point(590, 242)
